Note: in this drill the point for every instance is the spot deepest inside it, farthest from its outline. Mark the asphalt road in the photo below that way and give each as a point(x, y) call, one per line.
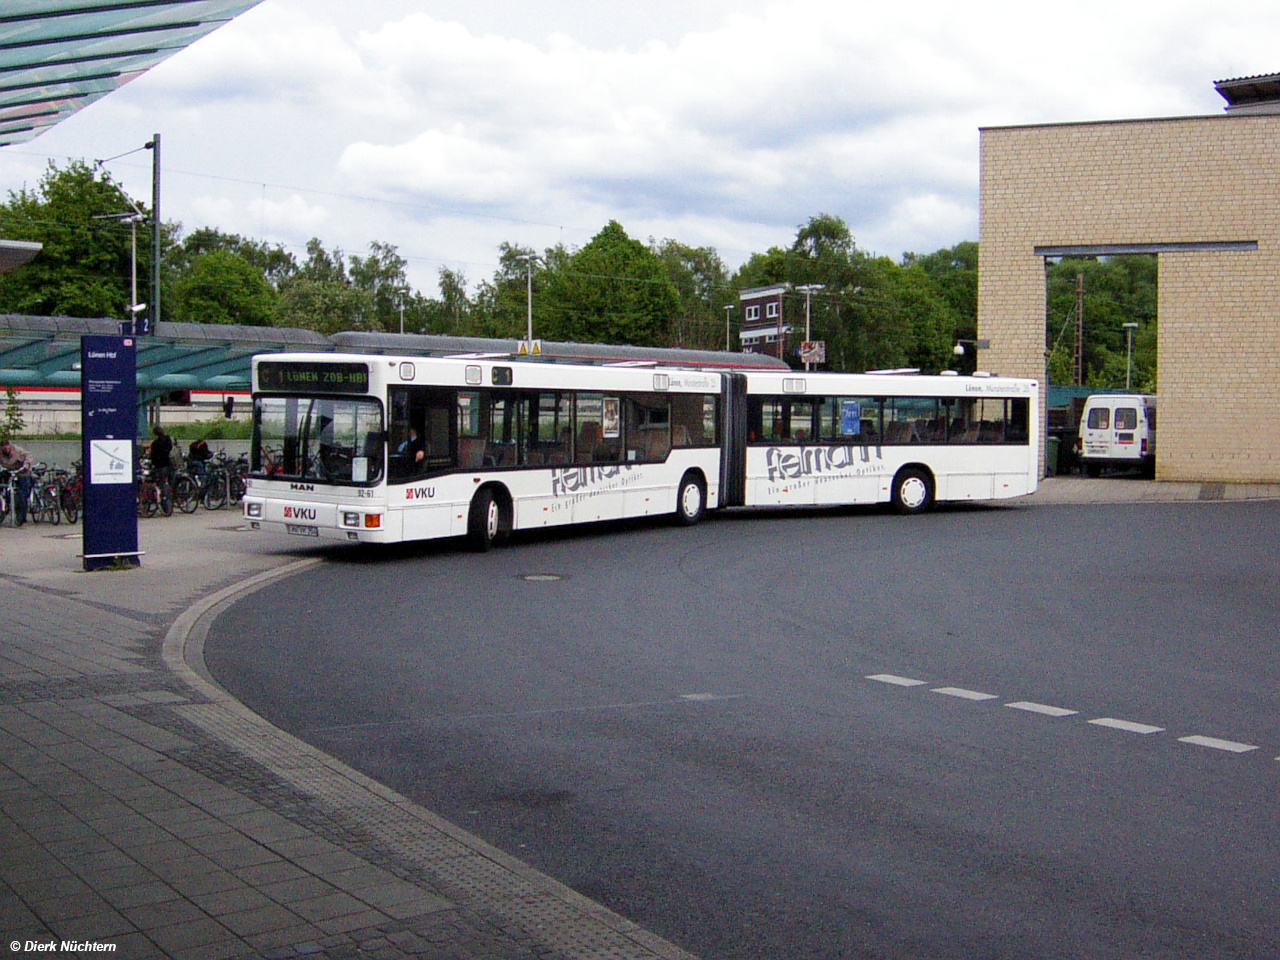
point(1033, 732)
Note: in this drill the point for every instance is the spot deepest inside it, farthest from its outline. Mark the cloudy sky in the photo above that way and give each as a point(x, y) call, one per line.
point(445, 127)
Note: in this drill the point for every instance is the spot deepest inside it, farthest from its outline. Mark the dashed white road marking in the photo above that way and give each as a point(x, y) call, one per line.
point(964, 694)
point(1042, 708)
point(1127, 725)
point(1216, 744)
point(896, 681)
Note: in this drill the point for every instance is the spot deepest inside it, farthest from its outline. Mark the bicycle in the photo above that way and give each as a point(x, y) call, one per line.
point(42, 502)
point(71, 491)
point(185, 492)
point(8, 493)
point(153, 495)
point(224, 481)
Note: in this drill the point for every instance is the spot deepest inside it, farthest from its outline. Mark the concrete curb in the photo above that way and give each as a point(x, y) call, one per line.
point(567, 920)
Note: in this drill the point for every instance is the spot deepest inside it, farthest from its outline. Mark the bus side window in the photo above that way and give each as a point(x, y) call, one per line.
point(693, 420)
point(648, 427)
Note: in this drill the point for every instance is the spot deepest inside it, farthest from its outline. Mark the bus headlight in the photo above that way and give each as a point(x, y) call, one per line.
point(350, 518)
point(253, 509)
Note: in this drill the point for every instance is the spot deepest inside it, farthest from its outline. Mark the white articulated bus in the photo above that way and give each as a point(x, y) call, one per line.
point(385, 448)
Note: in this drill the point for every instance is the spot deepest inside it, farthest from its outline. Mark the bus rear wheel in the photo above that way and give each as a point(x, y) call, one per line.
point(691, 500)
point(488, 523)
point(912, 491)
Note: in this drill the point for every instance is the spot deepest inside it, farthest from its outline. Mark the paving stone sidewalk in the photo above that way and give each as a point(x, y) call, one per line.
point(143, 809)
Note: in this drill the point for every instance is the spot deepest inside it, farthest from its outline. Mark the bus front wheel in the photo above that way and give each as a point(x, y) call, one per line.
point(912, 491)
point(487, 523)
point(691, 500)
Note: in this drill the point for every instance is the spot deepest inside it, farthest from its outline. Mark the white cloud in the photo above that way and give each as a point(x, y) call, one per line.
point(726, 123)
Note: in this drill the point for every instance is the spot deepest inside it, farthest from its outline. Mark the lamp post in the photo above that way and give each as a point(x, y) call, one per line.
point(1128, 370)
point(154, 146)
point(728, 310)
point(133, 218)
point(530, 259)
point(808, 289)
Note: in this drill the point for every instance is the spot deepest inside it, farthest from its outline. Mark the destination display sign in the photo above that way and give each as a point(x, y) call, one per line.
point(317, 376)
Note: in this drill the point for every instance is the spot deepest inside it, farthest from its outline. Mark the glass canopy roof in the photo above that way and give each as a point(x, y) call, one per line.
point(58, 56)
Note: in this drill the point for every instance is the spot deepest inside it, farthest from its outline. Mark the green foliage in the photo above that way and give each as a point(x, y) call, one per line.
point(13, 418)
point(1117, 290)
point(326, 306)
point(222, 287)
point(381, 276)
point(613, 290)
point(872, 313)
point(701, 284)
point(84, 267)
point(275, 264)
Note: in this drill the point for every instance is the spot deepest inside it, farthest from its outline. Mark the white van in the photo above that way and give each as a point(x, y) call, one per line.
point(1118, 430)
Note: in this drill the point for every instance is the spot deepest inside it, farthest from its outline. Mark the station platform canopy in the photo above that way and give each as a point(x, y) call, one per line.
point(59, 56)
point(45, 351)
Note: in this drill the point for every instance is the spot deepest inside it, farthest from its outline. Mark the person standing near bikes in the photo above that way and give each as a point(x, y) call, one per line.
point(13, 457)
point(161, 453)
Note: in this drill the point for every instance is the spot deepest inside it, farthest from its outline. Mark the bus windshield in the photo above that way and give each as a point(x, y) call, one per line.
point(324, 439)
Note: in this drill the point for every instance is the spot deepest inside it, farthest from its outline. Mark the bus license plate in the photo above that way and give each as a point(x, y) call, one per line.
point(302, 530)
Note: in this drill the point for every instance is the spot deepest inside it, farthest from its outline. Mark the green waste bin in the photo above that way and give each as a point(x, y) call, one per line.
point(1051, 457)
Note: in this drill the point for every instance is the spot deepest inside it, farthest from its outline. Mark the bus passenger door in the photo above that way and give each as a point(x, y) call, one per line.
point(733, 448)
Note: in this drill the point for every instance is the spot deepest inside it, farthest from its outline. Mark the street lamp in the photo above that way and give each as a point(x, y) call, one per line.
point(154, 146)
point(959, 349)
point(142, 324)
point(133, 218)
point(1128, 372)
point(809, 289)
point(530, 259)
point(728, 310)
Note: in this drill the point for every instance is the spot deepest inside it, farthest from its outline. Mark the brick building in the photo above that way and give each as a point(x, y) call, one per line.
point(764, 329)
point(1201, 194)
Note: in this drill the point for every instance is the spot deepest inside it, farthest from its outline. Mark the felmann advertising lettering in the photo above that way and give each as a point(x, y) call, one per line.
point(793, 464)
point(589, 481)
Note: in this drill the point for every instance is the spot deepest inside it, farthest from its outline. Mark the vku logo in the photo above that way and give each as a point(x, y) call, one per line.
point(419, 493)
point(300, 513)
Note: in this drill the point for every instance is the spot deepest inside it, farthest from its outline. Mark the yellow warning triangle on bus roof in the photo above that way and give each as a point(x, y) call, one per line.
point(530, 348)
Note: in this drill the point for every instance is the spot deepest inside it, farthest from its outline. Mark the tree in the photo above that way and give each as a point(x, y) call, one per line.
point(381, 276)
point(222, 287)
point(326, 306)
point(613, 290)
point(275, 264)
point(955, 273)
point(1117, 290)
point(701, 284)
point(85, 265)
point(500, 308)
point(454, 305)
point(13, 418)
